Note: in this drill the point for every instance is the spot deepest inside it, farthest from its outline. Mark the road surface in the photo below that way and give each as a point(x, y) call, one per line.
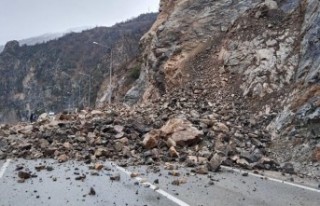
point(59, 187)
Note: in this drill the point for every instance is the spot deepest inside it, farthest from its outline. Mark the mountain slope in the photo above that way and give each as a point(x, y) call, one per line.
point(67, 72)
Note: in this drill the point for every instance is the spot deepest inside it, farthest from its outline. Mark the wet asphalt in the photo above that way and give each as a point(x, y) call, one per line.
point(60, 187)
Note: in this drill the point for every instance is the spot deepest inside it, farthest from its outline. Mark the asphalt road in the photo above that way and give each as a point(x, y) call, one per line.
point(59, 187)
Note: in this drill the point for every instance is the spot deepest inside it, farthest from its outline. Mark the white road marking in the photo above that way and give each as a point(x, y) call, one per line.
point(272, 179)
point(4, 167)
point(153, 187)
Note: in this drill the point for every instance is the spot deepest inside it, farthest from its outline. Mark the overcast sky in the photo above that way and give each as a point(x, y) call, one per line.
point(20, 19)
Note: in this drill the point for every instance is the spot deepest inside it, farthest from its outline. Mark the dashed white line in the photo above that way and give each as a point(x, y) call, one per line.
point(155, 188)
point(4, 167)
point(272, 179)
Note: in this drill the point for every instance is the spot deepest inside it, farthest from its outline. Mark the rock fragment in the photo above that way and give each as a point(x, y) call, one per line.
point(288, 168)
point(115, 177)
point(202, 169)
point(63, 158)
point(24, 175)
point(92, 191)
point(151, 139)
point(215, 162)
point(179, 181)
point(173, 152)
point(98, 166)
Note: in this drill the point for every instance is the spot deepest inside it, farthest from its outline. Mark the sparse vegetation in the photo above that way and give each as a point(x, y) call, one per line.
point(135, 72)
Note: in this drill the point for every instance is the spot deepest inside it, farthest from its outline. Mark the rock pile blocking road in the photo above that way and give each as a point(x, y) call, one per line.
point(186, 129)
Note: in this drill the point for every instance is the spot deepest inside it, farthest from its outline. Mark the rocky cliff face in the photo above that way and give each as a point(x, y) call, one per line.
point(259, 56)
point(66, 73)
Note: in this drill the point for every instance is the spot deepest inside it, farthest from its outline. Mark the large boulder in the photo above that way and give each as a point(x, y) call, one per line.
point(181, 131)
point(178, 131)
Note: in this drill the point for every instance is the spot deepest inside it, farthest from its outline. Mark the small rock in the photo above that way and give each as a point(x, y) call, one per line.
point(92, 191)
point(67, 145)
point(19, 167)
point(40, 167)
point(173, 152)
point(93, 173)
point(98, 166)
point(81, 177)
point(24, 175)
point(243, 163)
point(215, 162)
point(178, 182)
point(115, 177)
point(134, 174)
point(169, 166)
point(118, 128)
point(100, 152)
point(151, 139)
point(171, 143)
point(192, 161)
point(245, 174)
point(203, 170)
point(63, 158)
point(222, 127)
point(174, 173)
point(288, 168)
point(118, 146)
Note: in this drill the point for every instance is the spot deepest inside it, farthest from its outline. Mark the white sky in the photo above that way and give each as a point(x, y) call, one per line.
point(20, 19)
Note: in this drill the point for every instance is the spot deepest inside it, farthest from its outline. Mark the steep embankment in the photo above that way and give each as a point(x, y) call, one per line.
point(257, 61)
point(67, 72)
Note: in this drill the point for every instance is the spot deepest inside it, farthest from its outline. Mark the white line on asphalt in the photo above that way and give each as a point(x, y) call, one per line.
point(272, 179)
point(4, 167)
point(153, 187)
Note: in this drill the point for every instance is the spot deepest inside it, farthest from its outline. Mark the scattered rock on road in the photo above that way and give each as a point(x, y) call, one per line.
point(24, 175)
point(115, 177)
point(92, 192)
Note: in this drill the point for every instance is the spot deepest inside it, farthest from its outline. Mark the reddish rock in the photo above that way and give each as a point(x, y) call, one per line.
point(151, 139)
point(98, 166)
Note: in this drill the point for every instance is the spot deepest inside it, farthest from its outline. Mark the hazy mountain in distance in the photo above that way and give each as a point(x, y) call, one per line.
point(47, 37)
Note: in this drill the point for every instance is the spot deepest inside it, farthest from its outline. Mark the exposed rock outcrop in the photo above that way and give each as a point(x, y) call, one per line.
point(261, 54)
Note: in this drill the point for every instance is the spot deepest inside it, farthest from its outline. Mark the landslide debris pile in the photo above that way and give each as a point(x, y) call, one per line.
point(263, 52)
point(182, 128)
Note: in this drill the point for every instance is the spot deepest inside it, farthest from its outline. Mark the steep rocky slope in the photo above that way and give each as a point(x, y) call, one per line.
point(67, 72)
point(259, 58)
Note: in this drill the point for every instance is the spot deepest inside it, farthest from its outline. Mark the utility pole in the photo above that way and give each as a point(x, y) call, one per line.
point(110, 80)
point(110, 72)
point(89, 87)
